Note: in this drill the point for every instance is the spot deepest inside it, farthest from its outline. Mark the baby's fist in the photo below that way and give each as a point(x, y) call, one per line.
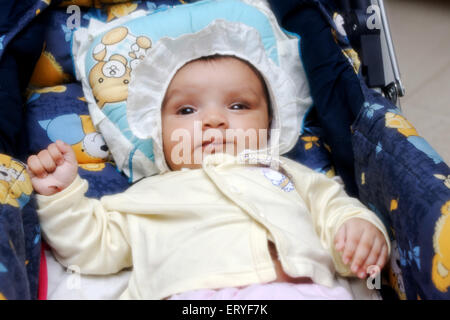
point(362, 245)
point(53, 169)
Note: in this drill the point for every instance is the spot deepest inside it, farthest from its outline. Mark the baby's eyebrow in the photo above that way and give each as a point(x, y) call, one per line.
point(244, 91)
point(172, 94)
point(183, 90)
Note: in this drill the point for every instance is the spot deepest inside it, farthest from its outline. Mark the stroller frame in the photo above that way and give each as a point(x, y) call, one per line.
point(374, 45)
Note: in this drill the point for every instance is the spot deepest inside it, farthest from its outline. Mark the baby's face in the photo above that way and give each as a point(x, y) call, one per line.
point(213, 107)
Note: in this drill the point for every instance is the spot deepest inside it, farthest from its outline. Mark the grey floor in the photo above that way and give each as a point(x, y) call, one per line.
point(421, 35)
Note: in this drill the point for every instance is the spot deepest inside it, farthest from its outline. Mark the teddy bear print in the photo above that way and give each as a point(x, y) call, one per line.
point(110, 76)
point(440, 272)
point(88, 144)
point(403, 126)
point(15, 184)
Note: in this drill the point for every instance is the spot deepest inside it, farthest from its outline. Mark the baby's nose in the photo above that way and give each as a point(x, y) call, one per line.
point(214, 119)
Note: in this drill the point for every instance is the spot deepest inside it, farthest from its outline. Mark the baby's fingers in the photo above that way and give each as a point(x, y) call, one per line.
point(35, 167)
point(66, 150)
point(374, 254)
point(56, 154)
point(351, 243)
point(383, 256)
point(47, 161)
point(361, 254)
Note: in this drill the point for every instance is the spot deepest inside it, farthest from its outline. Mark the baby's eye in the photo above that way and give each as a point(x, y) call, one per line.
point(186, 110)
point(238, 106)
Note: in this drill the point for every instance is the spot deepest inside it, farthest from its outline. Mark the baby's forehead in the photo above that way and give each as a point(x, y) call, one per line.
point(217, 67)
point(213, 60)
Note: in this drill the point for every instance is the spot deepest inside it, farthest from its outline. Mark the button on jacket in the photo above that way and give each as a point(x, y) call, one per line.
point(205, 228)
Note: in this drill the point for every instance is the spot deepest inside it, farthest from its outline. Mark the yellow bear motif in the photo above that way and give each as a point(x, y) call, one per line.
point(92, 149)
point(440, 272)
point(15, 184)
point(353, 58)
point(120, 10)
point(110, 76)
point(48, 72)
point(401, 124)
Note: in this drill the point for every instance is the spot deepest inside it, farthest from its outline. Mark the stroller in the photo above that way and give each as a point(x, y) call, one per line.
point(354, 129)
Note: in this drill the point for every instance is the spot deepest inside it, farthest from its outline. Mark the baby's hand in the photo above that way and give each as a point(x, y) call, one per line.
point(53, 169)
point(362, 244)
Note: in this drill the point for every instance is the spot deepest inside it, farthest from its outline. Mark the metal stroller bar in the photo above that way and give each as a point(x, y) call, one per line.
point(393, 57)
point(367, 40)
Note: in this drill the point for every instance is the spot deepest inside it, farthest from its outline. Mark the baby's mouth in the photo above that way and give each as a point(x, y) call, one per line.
point(214, 145)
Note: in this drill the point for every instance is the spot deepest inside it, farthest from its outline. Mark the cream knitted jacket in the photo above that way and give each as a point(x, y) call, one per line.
point(205, 228)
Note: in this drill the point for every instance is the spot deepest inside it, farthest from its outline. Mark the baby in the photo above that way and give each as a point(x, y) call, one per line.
point(214, 225)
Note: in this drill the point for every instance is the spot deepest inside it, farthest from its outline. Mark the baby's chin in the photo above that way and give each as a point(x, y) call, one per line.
point(200, 153)
point(198, 157)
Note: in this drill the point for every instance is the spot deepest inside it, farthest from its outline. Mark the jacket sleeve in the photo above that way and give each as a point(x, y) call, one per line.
point(82, 232)
point(330, 207)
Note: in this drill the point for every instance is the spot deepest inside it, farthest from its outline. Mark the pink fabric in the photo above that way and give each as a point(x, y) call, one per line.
point(268, 291)
point(43, 276)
